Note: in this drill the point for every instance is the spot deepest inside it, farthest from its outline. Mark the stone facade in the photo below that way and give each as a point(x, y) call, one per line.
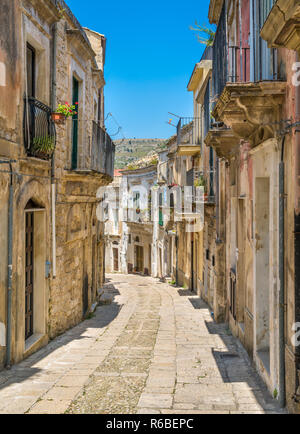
point(62, 265)
point(113, 226)
point(139, 223)
point(255, 113)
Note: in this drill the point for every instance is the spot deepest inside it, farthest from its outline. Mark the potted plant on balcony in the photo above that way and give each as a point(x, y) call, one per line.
point(63, 112)
point(201, 182)
point(43, 147)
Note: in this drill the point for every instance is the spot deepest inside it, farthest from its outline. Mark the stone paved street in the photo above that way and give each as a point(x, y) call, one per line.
point(153, 349)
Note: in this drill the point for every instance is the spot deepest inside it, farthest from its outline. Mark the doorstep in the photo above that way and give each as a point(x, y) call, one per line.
point(34, 343)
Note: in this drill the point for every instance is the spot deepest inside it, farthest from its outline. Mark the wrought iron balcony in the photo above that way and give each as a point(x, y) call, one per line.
point(103, 151)
point(188, 136)
point(93, 151)
point(39, 130)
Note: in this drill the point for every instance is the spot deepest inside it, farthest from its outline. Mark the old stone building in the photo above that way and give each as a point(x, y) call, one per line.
point(209, 241)
point(254, 133)
point(138, 221)
point(180, 220)
point(113, 225)
point(51, 264)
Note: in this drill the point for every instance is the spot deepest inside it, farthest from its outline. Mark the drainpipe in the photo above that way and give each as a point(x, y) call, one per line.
point(9, 262)
point(296, 155)
point(53, 186)
point(281, 279)
point(176, 242)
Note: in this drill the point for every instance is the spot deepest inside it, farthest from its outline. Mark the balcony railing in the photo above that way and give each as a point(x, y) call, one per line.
point(239, 64)
point(103, 151)
point(189, 134)
point(39, 129)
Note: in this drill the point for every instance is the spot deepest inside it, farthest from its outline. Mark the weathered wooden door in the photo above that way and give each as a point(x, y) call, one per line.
point(29, 270)
point(139, 259)
point(116, 259)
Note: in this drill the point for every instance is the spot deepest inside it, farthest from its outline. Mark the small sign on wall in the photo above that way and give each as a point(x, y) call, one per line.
point(2, 74)
point(2, 335)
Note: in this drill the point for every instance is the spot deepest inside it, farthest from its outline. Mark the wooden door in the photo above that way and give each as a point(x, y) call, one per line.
point(29, 270)
point(116, 259)
point(139, 259)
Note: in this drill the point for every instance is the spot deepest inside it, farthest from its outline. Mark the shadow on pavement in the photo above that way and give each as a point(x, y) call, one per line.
point(104, 315)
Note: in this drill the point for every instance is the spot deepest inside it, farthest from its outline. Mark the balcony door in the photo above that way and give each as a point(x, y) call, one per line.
point(30, 67)
point(75, 125)
point(139, 259)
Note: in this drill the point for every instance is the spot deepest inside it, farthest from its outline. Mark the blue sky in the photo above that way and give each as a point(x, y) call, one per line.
point(151, 53)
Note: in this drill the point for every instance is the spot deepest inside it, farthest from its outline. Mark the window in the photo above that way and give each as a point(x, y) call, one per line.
point(264, 59)
point(172, 200)
point(149, 205)
point(30, 65)
point(136, 200)
point(161, 218)
point(75, 125)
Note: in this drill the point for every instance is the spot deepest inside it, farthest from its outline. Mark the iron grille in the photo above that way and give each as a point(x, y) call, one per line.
point(39, 129)
point(103, 151)
point(188, 131)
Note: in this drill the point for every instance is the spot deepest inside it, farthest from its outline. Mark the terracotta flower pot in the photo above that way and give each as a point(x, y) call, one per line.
point(58, 118)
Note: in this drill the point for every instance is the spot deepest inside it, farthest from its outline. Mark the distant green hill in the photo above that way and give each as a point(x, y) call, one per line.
point(130, 150)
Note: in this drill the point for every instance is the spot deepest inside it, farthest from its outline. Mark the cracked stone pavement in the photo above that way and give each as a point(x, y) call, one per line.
point(153, 350)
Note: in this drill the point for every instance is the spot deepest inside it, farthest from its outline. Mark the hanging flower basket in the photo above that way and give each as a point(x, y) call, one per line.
point(63, 112)
point(58, 118)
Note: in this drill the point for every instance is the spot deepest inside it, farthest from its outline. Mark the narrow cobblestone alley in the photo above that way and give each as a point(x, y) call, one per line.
point(151, 348)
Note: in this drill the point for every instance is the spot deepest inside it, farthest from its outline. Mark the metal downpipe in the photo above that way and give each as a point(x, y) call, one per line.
point(282, 400)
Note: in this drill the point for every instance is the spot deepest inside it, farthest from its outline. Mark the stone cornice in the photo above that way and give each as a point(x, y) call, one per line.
point(251, 109)
point(75, 37)
point(99, 76)
point(200, 75)
point(215, 9)
point(47, 10)
point(282, 27)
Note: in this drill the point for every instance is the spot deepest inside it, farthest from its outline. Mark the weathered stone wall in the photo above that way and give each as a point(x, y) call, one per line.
point(61, 301)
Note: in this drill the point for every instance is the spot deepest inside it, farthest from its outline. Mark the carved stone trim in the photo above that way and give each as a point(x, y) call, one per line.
point(251, 110)
point(282, 27)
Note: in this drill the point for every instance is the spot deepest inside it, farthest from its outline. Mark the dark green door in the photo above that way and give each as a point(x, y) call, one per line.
point(75, 125)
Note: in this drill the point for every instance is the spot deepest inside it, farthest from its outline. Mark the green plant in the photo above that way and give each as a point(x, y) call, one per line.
point(275, 394)
point(131, 167)
point(67, 109)
point(209, 37)
point(201, 182)
point(61, 11)
point(173, 282)
point(44, 144)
